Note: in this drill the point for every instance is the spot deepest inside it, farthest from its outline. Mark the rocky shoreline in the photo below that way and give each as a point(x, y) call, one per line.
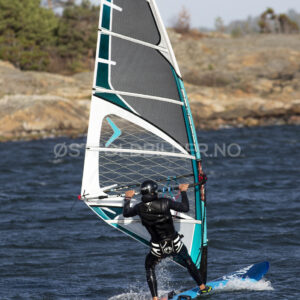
point(250, 81)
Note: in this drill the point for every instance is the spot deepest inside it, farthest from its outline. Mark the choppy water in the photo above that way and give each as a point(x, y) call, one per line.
point(54, 247)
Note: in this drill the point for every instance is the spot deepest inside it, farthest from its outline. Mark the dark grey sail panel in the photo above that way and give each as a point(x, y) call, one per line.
point(166, 116)
point(135, 20)
point(141, 70)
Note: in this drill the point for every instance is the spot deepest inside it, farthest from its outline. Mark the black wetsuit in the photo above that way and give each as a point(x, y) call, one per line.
point(156, 217)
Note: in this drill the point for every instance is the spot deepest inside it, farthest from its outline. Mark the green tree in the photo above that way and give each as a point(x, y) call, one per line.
point(26, 33)
point(265, 18)
point(77, 35)
point(287, 25)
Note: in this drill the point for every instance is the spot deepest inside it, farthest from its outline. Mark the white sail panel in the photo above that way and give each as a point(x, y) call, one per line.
point(101, 110)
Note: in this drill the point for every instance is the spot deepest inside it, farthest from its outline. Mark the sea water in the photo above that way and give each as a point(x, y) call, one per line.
point(53, 247)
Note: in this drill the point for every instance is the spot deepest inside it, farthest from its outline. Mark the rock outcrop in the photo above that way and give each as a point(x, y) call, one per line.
point(247, 81)
point(36, 105)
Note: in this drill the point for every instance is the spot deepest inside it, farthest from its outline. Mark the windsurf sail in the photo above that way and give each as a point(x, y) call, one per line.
point(141, 126)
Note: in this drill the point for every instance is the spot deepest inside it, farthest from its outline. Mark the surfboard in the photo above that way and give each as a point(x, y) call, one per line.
point(252, 273)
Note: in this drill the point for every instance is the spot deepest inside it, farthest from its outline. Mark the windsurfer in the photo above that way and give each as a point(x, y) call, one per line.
point(165, 241)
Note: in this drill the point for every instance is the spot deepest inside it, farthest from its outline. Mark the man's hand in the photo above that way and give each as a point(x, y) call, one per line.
point(183, 187)
point(129, 194)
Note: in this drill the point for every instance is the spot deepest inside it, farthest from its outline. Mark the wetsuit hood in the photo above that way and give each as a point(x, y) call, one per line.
point(149, 198)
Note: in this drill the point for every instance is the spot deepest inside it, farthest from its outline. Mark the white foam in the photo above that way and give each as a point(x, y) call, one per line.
point(136, 296)
point(236, 284)
point(56, 161)
point(232, 285)
point(140, 291)
point(130, 296)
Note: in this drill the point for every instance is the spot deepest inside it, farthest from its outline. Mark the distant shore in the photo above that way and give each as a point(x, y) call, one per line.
point(231, 82)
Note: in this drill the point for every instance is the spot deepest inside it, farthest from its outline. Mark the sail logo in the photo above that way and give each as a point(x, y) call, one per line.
point(116, 134)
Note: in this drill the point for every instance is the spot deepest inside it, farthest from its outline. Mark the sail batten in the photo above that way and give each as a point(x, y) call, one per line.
point(122, 93)
point(111, 5)
point(124, 37)
point(144, 152)
point(106, 61)
point(140, 126)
